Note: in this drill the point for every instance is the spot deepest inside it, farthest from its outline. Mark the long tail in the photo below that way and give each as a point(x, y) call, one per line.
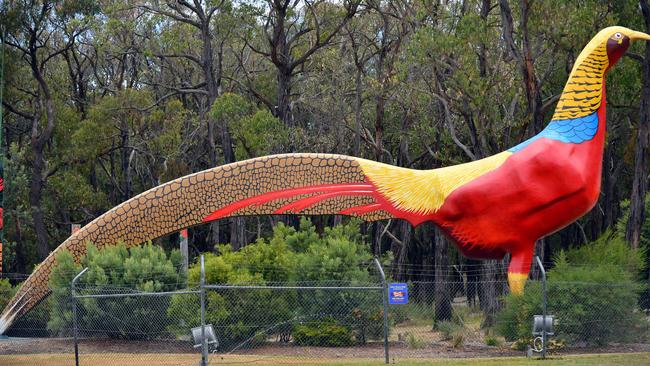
point(309, 184)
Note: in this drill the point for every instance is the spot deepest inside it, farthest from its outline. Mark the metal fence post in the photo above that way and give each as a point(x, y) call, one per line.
point(384, 296)
point(541, 267)
point(183, 242)
point(204, 342)
point(75, 328)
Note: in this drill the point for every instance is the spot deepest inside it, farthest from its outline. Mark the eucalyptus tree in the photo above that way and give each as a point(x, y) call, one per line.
point(642, 148)
point(293, 31)
point(201, 15)
point(41, 31)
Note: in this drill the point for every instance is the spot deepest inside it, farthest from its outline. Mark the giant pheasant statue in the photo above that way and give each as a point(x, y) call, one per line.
point(490, 207)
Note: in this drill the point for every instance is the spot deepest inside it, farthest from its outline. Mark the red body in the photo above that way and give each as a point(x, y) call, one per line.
point(537, 191)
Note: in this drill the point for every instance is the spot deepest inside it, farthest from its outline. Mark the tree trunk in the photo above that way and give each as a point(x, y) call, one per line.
point(472, 272)
point(125, 161)
point(491, 288)
point(213, 81)
point(641, 152)
point(357, 113)
point(380, 105)
point(77, 83)
point(19, 264)
point(609, 178)
point(540, 251)
point(36, 195)
point(525, 60)
point(482, 49)
point(533, 93)
point(402, 248)
point(284, 93)
point(442, 294)
point(38, 142)
point(281, 57)
point(207, 62)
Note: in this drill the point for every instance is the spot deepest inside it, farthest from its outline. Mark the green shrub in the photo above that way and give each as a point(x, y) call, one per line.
point(289, 255)
point(327, 333)
point(60, 322)
point(604, 308)
point(452, 331)
point(144, 268)
point(621, 224)
point(414, 341)
point(516, 317)
point(592, 291)
point(448, 329)
point(6, 292)
point(493, 341)
point(242, 315)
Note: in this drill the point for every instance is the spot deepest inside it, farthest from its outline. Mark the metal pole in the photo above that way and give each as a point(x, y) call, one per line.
point(204, 342)
point(384, 296)
point(182, 237)
point(74, 314)
point(541, 267)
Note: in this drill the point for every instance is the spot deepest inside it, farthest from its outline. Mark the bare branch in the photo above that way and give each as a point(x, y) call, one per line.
point(183, 18)
point(15, 111)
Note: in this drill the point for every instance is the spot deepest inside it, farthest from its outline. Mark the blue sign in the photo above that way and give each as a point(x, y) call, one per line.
point(398, 294)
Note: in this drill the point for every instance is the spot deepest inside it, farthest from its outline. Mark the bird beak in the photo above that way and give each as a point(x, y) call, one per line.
point(639, 35)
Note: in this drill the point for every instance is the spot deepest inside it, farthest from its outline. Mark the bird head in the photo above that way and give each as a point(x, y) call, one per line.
point(618, 41)
point(583, 94)
point(615, 40)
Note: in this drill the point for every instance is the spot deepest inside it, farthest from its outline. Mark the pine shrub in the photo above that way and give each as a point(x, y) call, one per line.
point(593, 291)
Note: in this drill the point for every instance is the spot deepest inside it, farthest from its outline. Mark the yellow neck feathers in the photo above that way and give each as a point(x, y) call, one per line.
point(583, 92)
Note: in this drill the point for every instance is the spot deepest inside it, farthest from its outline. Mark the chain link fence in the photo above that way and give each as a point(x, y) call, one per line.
point(328, 322)
point(251, 322)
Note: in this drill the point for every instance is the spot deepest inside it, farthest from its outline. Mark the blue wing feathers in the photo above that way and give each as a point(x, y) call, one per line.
point(575, 131)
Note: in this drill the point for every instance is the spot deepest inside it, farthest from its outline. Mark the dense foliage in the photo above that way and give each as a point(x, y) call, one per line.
point(324, 333)
point(116, 268)
point(290, 256)
point(593, 292)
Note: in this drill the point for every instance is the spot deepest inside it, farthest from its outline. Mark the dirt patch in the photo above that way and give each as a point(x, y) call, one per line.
point(66, 345)
point(375, 350)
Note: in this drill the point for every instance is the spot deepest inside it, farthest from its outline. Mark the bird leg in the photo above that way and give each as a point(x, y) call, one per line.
point(519, 268)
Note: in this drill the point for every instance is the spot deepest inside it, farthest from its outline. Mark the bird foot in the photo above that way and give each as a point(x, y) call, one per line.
point(517, 281)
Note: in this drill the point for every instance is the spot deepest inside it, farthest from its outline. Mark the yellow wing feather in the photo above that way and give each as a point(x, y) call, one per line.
point(425, 191)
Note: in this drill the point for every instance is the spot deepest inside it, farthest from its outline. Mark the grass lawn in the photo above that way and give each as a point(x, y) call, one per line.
point(127, 359)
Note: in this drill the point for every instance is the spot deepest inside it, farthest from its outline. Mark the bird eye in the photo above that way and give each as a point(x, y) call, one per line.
point(618, 35)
